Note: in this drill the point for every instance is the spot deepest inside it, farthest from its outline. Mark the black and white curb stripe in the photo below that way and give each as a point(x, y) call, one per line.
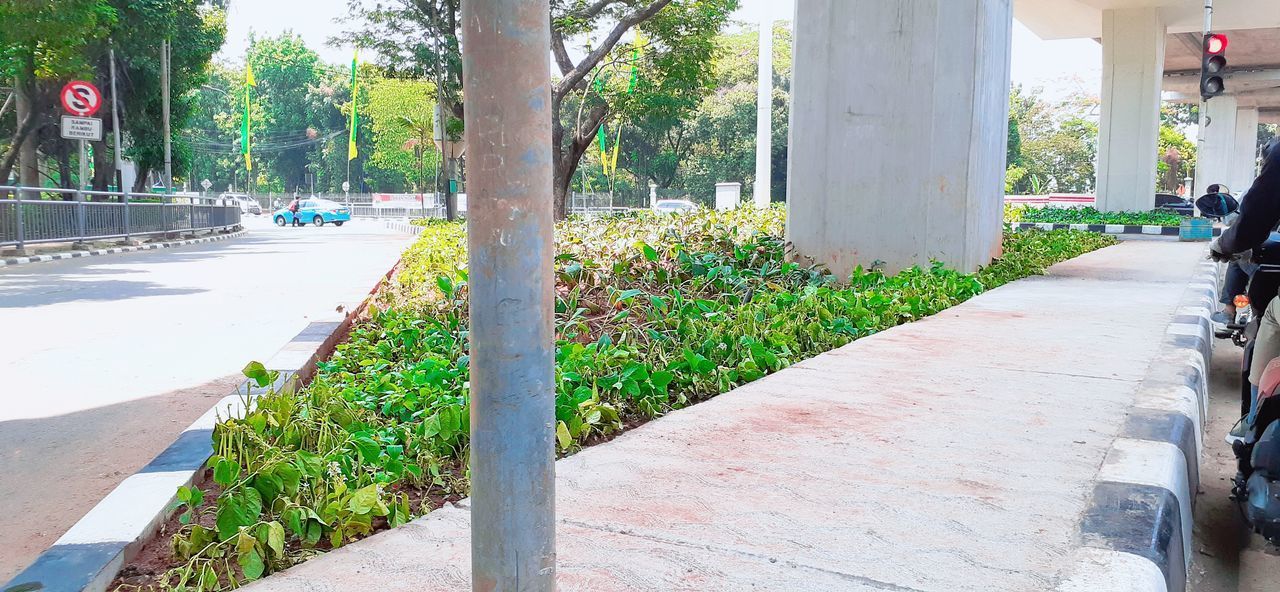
point(1148, 229)
point(1136, 531)
point(405, 227)
point(90, 555)
point(12, 261)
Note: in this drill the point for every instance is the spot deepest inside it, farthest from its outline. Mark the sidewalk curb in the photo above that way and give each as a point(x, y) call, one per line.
point(92, 552)
point(404, 227)
point(16, 261)
point(1136, 532)
point(1149, 230)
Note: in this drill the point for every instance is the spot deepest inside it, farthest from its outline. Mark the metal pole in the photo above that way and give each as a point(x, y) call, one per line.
point(168, 137)
point(508, 125)
point(1204, 122)
point(115, 127)
point(80, 208)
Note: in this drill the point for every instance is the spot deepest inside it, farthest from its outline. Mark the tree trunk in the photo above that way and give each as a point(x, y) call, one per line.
point(567, 156)
point(103, 167)
point(140, 182)
point(28, 160)
point(64, 166)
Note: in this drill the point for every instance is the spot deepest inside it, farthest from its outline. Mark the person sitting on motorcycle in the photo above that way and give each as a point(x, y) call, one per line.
point(1258, 215)
point(1234, 282)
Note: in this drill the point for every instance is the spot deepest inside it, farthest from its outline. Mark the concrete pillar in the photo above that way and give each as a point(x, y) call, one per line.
point(764, 116)
point(1245, 160)
point(728, 196)
point(899, 121)
point(1129, 129)
point(1217, 145)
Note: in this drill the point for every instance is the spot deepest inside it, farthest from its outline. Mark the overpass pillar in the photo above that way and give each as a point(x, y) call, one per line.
point(1245, 159)
point(1217, 146)
point(1129, 129)
point(899, 122)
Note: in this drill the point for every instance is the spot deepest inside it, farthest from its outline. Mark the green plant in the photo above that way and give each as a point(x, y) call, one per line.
point(653, 313)
point(1089, 215)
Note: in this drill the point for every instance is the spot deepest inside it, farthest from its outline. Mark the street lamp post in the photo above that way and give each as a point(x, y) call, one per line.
point(508, 131)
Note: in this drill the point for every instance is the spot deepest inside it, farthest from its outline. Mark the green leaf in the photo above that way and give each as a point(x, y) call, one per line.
point(275, 538)
point(226, 472)
point(314, 532)
point(562, 435)
point(369, 450)
point(364, 499)
point(184, 494)
point(626, 295)
point(208, 577)
point(446, 285)
point(661, 379)
point(649, 252)
point(293, 519)
point(251, 564)
point(258, 373)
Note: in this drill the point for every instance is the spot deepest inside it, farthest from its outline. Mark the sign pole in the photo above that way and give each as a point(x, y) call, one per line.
point(84, 172)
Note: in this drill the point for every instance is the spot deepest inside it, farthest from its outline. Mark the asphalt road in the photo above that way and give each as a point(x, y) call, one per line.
point(106, 359)
point(1227, 557)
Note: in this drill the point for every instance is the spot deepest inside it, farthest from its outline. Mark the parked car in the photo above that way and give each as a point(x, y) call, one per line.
point(674, 206)
point(247, 204)
point(1175, 204)
point(314, 210)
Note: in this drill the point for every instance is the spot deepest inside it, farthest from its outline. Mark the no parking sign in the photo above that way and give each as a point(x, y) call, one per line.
point(81, 98)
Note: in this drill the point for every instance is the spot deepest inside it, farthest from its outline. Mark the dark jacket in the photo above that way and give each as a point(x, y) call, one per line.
point(1261, 212)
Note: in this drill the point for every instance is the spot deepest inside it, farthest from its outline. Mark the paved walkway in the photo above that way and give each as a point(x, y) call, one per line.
point(107, 359)
point(952, 454)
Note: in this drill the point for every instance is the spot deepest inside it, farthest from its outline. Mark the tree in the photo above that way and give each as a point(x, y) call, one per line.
point(1056, 144)
point(196, 30)
point(41, 44)
point(420, 36)
point(722, 130)
point(402, 122)
point(1176, 159)
point(285, 70)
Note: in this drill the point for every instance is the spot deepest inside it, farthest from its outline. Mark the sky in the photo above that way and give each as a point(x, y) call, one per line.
point(1059, 67)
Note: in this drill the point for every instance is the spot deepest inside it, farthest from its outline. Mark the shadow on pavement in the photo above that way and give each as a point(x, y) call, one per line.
point(53, 470)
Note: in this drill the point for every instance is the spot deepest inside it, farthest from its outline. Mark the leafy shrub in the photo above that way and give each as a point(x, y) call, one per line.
point(653, 313)
point(1088, 215)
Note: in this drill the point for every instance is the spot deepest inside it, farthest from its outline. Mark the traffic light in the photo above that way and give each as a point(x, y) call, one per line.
point(1213, 66)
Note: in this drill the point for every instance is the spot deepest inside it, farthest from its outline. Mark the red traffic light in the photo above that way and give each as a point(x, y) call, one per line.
point(1215, 44)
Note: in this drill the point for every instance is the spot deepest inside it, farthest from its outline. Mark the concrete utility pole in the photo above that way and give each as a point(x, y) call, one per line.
point(508, 129)
point(764, 117)
point(115, 124)
point(168, 137)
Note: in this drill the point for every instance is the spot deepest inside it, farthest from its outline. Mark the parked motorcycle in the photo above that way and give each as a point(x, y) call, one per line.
point(1256, 438)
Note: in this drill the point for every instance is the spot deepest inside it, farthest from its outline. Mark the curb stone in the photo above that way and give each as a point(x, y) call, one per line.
point(1108, 228)
point(1136, 531)
point(92, 552)
point(405, 227)
point(15, 261)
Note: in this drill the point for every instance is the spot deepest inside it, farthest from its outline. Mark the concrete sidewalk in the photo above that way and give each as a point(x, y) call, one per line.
point(956, 453)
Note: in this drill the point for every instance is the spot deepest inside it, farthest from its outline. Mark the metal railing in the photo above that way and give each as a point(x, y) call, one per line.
point(31, 220)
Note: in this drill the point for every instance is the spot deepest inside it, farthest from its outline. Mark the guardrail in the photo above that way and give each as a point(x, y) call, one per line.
point(31, 221)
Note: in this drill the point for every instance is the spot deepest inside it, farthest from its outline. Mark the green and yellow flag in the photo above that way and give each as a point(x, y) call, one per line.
point(245, 147)
point(352, 151)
